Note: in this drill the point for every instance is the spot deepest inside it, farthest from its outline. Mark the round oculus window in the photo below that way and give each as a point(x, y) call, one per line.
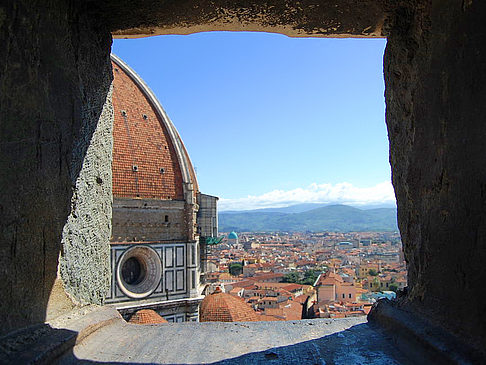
point(139, 272)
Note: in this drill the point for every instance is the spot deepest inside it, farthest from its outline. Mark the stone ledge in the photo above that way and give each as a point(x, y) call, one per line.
point(87, 320)
point(419, 339)
point(44, 343)
point(316, 341)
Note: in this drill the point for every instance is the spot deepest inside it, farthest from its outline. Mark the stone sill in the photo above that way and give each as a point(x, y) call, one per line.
point(99, 334)
point(316, 341)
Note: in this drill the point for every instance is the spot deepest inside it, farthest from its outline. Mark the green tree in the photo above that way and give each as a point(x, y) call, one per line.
point(310, 277)
point(393, 287)
point(235, 268)
point(373, 272)
point(292, 277)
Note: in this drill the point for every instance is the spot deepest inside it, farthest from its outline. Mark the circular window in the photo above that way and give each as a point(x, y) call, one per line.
point(139, 271)
point(133, 271)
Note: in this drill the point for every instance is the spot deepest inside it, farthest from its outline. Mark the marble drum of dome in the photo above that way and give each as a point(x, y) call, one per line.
point(138, 272)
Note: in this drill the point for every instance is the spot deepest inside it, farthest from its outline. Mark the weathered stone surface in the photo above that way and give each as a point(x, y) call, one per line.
point(44, 343)
point(422, 341)
point(348, 18)
point(144, 220)
point(436, 101)
point(318, 341)
point(88, 227)
point(54, 89)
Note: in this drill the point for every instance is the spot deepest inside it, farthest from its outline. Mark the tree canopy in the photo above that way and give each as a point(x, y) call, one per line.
point(235, 268)
point(308, 278)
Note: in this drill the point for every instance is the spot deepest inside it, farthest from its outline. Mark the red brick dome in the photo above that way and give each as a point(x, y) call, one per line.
point(149, 158)
point(222, 307)
point(147, 316)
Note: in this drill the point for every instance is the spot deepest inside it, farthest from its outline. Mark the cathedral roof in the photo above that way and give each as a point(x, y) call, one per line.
point(149, 158)
point(147, 316)
point(223, 307)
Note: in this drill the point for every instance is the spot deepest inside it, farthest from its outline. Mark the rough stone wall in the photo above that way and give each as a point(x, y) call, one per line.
point(87, 230)
point(142, 220)
point(54, 89)
point(436, 101)
point(362, 18)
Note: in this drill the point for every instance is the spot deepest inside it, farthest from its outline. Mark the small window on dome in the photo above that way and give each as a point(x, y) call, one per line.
point(162, 170)
point(124, 113)
point(144, 116)
point(135, 168)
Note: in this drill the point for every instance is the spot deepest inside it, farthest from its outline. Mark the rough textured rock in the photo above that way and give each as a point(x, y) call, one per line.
point(54, 89)
point(84, 237)
point(295, 18)
point(436, 99)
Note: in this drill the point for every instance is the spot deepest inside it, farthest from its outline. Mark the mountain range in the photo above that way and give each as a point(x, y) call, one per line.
point(306, 217)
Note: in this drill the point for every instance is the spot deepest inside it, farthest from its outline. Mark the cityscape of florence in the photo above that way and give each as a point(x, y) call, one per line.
point(290, 260)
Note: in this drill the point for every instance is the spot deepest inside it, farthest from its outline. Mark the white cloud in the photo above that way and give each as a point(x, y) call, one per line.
point(342, 193)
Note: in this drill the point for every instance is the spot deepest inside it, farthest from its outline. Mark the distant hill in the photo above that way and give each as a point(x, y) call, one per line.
point(298, 208)
point(304, 207)
point(340, 218)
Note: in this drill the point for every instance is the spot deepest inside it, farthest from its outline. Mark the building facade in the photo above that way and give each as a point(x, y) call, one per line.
point(160, 219)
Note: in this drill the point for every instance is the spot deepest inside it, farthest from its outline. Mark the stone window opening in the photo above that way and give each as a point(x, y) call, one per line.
point(423, 87)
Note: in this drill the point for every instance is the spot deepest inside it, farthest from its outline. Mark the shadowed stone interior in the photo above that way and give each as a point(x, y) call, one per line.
point(55, 140)
point(55, 111)
point(435, 94)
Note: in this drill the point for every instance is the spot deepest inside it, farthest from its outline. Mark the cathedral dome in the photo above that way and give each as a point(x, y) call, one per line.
point(222, 307)
point(233, 236)
point(147, 316)
point(150, 160)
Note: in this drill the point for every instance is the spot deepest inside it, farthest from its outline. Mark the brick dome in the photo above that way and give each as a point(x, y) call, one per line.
point(149, 159)
point(222, 307)
point(147, 316)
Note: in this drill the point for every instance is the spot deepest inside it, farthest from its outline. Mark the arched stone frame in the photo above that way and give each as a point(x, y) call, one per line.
point(434, 76)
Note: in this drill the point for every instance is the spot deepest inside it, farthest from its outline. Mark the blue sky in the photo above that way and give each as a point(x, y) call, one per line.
point(270, 120)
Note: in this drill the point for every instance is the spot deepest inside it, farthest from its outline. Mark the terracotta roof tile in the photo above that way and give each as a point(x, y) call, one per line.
point(223, 307)
point(141, 146)
point(147, 316)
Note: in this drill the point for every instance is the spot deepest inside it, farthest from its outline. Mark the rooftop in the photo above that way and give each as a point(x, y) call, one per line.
point(146, 316)
point(224, 307)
